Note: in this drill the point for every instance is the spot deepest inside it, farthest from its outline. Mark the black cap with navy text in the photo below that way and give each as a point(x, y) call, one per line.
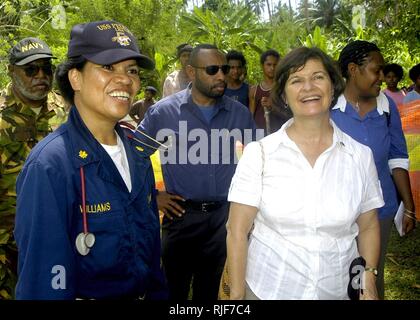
point(106, 42)
point(28, 50)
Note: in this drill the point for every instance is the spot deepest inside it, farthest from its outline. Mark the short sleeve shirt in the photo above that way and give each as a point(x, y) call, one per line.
point(304, 233)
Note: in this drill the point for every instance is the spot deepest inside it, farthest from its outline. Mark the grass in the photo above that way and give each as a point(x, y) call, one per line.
point(402, 266)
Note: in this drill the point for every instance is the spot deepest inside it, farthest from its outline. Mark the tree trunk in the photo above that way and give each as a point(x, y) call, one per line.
point(306, 13)
point(269, 10)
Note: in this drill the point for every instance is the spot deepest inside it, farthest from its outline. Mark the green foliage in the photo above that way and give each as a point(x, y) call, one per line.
point(317, 39)
point(230, 28)
point(234, 30)
point(402, 265)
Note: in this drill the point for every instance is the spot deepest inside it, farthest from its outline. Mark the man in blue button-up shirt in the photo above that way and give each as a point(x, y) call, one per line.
point(200, 127)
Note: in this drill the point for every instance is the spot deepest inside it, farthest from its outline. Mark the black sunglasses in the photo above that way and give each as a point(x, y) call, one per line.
point(33, 69)
point(212, 70)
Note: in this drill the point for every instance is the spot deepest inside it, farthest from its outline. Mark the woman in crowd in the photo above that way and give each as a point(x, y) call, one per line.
point(372, 118)
point(393, 74)
point(87, 224)
point(311, 193)
point(414, 75)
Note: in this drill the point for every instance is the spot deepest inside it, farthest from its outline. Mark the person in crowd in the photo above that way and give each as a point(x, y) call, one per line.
point(372, 118)
point(197, 178)
point(260, 103)
point(303, 199)
point(87, 224)
point(393, 74)
point(29, 110)
point(139, 108)
point(236, 87)
point(414, 75)
point(178, 79)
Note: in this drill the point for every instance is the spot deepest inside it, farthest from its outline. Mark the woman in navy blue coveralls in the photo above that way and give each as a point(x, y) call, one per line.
point(87, 223)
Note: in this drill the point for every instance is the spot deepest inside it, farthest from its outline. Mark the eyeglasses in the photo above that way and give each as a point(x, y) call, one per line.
point(33, 69)
point(212, 70)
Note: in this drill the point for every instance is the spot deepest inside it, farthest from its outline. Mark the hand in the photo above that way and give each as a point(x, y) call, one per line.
point(168, 205)
point(408, 223)
point(369, 283)
point(266, 103)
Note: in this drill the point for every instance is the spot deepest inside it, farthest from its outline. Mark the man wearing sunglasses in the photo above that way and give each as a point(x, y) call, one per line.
point(28, 112)
point(195, 203)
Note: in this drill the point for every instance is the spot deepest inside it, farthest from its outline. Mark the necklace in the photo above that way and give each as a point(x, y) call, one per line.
point(263, 87)
point(356, 107)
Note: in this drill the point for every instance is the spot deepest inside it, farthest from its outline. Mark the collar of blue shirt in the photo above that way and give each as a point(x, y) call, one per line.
point(382, 103)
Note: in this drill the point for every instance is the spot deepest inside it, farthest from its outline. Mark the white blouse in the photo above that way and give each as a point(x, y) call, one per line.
point(304, 235)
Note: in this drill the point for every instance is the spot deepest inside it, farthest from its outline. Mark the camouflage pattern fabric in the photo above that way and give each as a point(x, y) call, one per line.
point(20, 129)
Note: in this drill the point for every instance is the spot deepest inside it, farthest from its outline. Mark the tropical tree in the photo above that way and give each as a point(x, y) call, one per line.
point(237, 30)
point(330, 15)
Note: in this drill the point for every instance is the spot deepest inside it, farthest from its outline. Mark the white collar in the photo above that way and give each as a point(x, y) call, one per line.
point(382, 103)
point(280, 137)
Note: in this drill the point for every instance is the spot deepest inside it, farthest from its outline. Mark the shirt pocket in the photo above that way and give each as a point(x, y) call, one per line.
point(281, 199)
point(106, 257)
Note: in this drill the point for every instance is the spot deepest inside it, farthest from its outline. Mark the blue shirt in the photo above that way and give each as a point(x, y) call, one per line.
point(412, 96)
point(196, 169)
point(241, 94)
point(125, 259)
point(208, 112)
point(383, 134)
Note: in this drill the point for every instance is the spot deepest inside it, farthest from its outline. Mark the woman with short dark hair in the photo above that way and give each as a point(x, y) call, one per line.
point(309, 193)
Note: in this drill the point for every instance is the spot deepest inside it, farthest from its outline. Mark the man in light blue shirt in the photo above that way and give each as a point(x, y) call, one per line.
point(201, 127)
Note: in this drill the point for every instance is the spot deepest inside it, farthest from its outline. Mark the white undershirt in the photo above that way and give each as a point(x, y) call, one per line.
point(119, 156)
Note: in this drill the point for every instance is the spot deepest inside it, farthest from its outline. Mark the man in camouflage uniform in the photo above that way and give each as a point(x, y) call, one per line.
point(29, 110)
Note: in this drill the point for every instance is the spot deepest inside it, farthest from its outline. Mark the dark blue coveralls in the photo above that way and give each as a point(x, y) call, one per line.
point(125, 259)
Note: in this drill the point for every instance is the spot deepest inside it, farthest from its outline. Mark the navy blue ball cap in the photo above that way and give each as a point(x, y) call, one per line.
point(106, 42)
point(28, 50)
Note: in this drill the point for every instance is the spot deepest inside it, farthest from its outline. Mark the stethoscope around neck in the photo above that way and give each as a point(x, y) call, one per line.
point(84, 240)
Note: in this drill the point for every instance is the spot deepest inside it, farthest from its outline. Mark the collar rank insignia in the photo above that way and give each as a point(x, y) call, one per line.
point(83, 154)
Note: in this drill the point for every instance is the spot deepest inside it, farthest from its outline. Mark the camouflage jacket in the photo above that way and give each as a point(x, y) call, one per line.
point(20, 129)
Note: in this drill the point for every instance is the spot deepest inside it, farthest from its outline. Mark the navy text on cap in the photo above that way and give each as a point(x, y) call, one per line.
point(28, 50)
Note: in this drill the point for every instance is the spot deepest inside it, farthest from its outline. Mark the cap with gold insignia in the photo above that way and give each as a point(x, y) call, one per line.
point(105, 42)
point(28, 50)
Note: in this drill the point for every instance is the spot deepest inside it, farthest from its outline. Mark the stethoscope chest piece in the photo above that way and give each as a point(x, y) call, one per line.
point(84, 242)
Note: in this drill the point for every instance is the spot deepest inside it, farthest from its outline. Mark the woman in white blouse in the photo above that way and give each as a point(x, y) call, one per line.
point(311, 193)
